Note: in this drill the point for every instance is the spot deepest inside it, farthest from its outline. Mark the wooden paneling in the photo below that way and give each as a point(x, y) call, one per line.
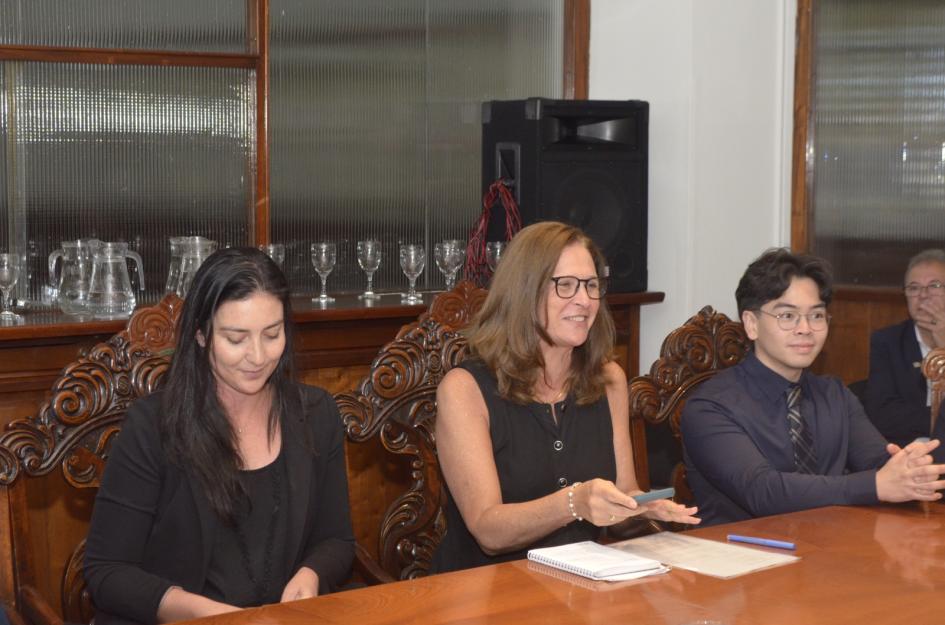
point(856, 313)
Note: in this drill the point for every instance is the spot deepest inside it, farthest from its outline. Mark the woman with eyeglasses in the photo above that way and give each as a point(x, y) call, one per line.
point(533, 429)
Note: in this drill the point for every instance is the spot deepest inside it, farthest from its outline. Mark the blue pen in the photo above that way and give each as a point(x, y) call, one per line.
point(764, 542)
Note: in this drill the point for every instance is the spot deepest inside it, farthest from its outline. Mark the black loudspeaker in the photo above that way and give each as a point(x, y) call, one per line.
point(583, 162)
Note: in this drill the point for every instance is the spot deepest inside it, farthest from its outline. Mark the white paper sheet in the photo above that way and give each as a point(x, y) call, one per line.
point(709, 557)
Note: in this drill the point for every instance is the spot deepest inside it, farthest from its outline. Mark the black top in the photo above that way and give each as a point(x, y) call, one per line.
point(738, 450)
point(152, 526)
point(534, 457)
point(247, 561)
point(896, 394)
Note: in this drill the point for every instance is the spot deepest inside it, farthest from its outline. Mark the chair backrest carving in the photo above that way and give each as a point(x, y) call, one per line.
point(707, 343)
point(396, 402)
point(933, 368)
point(74, 431)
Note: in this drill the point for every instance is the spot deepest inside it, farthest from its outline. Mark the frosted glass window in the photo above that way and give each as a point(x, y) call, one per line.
point(376, 124)
point(125, 153)
point(180, 25)
point(879, 135)
point(7, 243)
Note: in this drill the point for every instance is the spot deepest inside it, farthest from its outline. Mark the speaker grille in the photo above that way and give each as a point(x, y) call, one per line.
point(603, 199)
point(580, 162)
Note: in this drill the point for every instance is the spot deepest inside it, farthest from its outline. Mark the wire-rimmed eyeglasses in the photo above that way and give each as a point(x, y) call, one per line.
point(790, 319)
point(932, 288)
point(567, 286)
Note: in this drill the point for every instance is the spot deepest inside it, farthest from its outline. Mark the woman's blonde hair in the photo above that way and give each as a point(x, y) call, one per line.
point(506, 334)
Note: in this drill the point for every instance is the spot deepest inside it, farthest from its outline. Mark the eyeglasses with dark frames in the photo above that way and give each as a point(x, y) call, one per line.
point(932, 288)
point(567, 286)
point(789, 319)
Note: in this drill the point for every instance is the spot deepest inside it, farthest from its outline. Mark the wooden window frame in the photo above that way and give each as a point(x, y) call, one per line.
point(802, 166)
point(575, 65)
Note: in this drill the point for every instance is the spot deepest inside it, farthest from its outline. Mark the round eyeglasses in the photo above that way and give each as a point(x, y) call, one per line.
point(789, 319)
point(567, 286)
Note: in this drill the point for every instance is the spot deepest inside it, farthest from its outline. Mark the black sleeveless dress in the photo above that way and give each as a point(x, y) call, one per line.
point(534, 457)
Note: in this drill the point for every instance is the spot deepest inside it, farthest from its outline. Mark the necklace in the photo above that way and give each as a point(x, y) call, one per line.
point(557, 395)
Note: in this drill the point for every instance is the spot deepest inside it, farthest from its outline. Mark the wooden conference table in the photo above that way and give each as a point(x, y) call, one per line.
point(865, 565)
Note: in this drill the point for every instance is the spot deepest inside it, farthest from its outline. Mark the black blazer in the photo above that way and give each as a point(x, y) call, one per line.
point(153, 528)
point(896, 392)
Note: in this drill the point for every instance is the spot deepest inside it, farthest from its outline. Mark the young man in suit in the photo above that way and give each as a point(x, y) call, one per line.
point(766, 436)
point(897, 398)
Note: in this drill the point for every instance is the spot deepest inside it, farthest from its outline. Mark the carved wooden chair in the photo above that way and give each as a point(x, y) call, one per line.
point(62, 450)
point(707, 343)
point(396, 405)
point(933, 368)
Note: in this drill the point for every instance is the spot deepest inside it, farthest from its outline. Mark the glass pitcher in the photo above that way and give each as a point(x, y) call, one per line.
point(110, 293)
point(74, 275)
point(196, 249)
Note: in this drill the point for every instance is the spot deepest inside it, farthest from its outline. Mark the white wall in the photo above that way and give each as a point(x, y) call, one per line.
point(719, 78)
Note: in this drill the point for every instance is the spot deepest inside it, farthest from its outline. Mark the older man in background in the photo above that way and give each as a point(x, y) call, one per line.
point(897, 397)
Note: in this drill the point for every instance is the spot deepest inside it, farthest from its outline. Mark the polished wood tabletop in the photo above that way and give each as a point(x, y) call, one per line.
point(863, 565)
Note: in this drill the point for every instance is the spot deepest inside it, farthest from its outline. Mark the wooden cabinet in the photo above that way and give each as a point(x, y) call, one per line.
point(334, 345)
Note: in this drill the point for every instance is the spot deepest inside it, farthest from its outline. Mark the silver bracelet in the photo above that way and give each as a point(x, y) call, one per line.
point(571, 501)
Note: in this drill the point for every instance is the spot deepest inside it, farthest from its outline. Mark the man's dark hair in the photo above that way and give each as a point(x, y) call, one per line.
point(770, 275)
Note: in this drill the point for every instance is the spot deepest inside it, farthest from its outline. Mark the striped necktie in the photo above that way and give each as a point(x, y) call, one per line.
point(801, 437)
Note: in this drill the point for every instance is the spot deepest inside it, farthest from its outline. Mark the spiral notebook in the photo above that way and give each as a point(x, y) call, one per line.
point(594, 561)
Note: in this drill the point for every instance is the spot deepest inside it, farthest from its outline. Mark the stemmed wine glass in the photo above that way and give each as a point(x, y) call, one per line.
point(9, 274)
point(369, 257)
point(324, 255)
point(275, 251)
point(412, 260)
point(494, 251)
point(449, 256)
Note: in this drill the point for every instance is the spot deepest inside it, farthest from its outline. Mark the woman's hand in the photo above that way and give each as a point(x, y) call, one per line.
point(303, 585)
point(669, 510)
point(180, 605)
point(602, 503)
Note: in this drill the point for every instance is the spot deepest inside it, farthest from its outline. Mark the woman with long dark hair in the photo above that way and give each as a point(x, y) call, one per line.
point(227, 488)
point(533, 429)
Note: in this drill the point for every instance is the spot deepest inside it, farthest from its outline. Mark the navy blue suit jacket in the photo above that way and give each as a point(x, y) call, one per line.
point(738, 451)
point(896, 392)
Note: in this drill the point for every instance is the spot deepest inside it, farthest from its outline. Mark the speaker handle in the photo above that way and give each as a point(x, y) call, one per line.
point(508, 165)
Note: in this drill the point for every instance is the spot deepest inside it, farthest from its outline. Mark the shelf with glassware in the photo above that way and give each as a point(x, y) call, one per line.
point(335, 342)
point(90, 280)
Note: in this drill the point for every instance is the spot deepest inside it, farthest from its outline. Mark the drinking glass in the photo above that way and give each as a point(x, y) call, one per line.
point(369, 257)
point(412, 260)
point(275, 251)
point(494, 251)
point(449, 256)
point(9, 274)
point(324, 255)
